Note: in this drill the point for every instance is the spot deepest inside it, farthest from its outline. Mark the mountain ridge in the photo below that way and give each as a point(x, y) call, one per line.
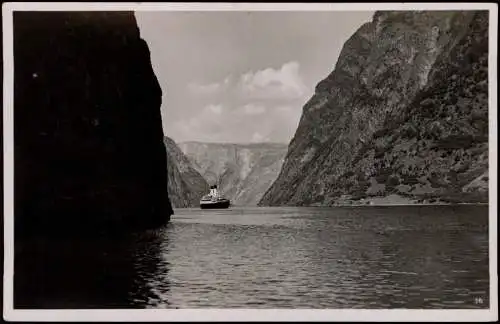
point(404, 112)
point(242, 144)
point(242, 171)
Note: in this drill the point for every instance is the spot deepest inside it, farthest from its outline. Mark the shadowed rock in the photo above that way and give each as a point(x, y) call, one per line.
point(89, 159)
point(185, 185)
point(89, 153)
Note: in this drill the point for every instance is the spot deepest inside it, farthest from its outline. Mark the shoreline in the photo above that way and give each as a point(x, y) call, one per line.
point(399, 200)
point(411, 204)
point(351, 205)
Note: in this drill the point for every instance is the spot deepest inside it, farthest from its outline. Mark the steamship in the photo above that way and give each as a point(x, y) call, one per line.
point(214, 200)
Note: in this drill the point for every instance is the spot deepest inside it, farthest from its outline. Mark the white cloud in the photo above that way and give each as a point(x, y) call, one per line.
point(215, 109)
point(235, 125)
point(253, 109)
point(284, 83)
point(257, 137)
point(210, 88)
point(227, 80)
point(207, 123)
point(209, 116)
point(204, 89)
point(285, 109)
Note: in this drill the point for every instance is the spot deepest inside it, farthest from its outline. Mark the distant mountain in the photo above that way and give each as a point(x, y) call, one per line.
point(403, 114)
point(243, 172)
point(185, 185)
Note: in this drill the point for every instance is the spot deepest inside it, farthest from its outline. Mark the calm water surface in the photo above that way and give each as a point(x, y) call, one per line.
point(342, 257)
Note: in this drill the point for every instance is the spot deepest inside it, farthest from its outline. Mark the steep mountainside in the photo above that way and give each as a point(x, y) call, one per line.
point(243, 171)
point(404, 114)
point(90, 164)
point(185, 185)
point(89, 151)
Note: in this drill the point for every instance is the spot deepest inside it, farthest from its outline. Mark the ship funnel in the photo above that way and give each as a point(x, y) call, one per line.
point(213, 190)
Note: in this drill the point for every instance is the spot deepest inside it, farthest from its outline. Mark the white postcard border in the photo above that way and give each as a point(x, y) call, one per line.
point(11, 314)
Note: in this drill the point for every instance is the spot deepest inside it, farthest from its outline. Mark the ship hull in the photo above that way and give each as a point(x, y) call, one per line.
point(215, 205)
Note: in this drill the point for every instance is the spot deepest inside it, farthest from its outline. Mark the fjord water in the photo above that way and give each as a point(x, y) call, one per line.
point(338, 257)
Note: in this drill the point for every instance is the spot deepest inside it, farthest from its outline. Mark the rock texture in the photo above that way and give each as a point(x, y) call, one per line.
point(405, 113)
point(243, 171)
point(89, 153)
point(186, 186)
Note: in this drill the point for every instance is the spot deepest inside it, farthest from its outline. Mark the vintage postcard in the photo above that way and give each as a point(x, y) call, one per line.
point(250, 162)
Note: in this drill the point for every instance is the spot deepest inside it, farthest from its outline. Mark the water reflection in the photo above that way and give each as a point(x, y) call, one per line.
point(112, 272)
point(387, 257)
point(366, 257)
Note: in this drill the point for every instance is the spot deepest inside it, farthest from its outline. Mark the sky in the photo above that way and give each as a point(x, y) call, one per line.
point(241, 76)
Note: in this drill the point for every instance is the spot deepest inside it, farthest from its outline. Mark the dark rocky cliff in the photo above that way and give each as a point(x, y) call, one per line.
point(404, 114)
point(185, 185)
point(243, 171)
point(89, 151)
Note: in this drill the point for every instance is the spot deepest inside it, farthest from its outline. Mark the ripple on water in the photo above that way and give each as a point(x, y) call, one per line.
point(323, 258)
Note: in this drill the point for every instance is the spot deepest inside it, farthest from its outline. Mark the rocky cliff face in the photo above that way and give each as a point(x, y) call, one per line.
point(89, 151)
point(404, 113)
point(186, 186)
point(243, 171)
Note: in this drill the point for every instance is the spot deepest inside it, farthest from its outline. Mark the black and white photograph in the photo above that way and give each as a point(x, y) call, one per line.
point(250, 161)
